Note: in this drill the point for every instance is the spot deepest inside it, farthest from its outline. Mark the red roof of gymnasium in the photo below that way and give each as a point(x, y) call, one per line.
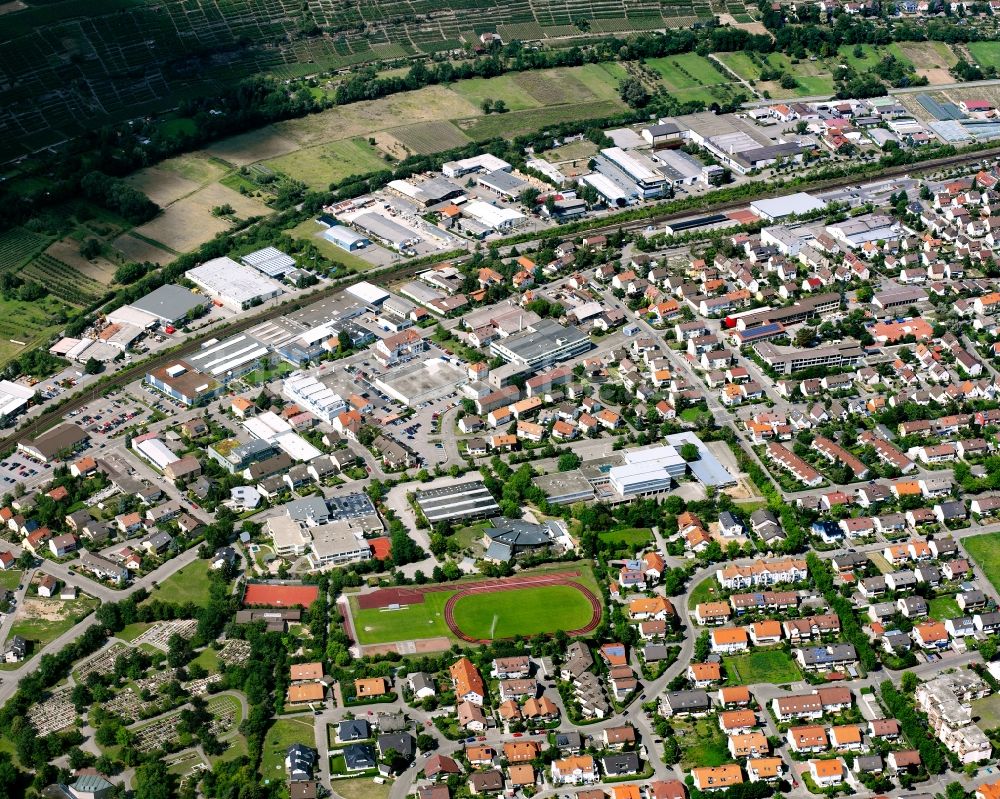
point(281, 596)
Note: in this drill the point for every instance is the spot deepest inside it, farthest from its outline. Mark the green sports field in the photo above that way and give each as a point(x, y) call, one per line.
point(382, 626)
point(524, 611)
point(527, 611)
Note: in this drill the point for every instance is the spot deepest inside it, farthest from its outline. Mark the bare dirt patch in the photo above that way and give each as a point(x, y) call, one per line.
point(134, 249)
point(188, 223)
point(362, 119)
point(390, 145)
point(160, 186)
point(68, 251)
point(936, 77)
point(44, 609)
point(10, 8)
point(249, 148)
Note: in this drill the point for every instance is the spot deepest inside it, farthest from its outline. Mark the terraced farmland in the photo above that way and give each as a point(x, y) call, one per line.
point(139, 55)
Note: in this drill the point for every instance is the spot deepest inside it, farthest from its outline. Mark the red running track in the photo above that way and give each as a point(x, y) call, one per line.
point(515, 584)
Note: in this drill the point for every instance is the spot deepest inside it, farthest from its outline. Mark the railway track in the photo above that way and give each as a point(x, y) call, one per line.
point(395, 274)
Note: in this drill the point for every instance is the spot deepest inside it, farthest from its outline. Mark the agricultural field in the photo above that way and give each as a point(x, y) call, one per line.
point(931, 59)
point(505, 87)
point(772, 666)
point(519, 123)
point(188, 223)
point(136, 248)
point(324, 164)
point(813, 77)
point(690, 77)
point(421, 138)
point(190, 584)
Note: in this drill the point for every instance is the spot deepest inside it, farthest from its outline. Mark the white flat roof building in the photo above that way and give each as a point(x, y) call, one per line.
point(307, 392)
point(13, 398)
point(288, 536)
point(156, 452)
point(491, 216)
point(234, 285)
point(780, 207)
point(607, 188)
point(270, 261)
point(230, 357)
point(479, 163)
point(368, 293)
point(647, 471)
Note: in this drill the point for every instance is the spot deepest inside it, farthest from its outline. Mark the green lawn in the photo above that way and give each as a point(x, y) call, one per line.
point(10, 579)
point(283, 734)
point(636, 537)
point(208, 659)
point(987, 54)
point(870, 56)
point(471, 534)
point(943, 608)
point(985, 551)
point(706, 591)
point(702, 743)
point(190, 584)
point(687, 70)
point(310, 231)
point(986, 712)
point(377, 626)
point(362, 788)
point(518, 123)
point(526, 611)
point(504, 87)
point(133, 631)
point(772, 666)
point(693, 414)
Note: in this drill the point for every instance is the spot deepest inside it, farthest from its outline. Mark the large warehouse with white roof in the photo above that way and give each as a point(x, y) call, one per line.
point(234, 285)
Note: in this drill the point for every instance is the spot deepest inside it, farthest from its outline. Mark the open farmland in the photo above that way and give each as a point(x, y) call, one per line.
point(812, 77)
point(522, 122)
point(162, 186)
point(690, 77)
point(324, 164)
point(188, 222)
point(424, 138)
point(134, 248)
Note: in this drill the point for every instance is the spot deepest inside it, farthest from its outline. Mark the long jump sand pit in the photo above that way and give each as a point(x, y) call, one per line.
point(188, 222)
